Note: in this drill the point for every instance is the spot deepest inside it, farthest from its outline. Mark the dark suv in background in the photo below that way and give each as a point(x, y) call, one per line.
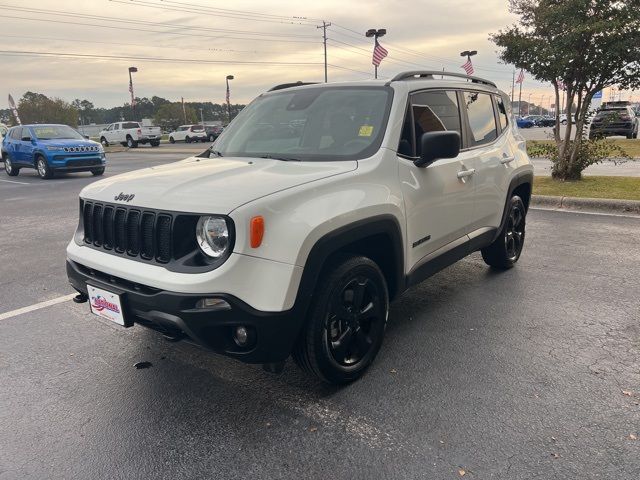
point(615, 118)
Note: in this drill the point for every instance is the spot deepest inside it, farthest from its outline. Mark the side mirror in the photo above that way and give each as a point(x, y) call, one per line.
point(26, 139)
point(437, 145)
point(86, 137)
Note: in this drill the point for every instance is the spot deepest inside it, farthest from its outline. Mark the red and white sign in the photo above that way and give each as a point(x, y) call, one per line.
point(105, 304)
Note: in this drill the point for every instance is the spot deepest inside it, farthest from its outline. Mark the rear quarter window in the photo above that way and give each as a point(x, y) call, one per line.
point(482, 120)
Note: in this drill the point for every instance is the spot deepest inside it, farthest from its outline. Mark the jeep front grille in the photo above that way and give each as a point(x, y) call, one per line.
point(131, 231)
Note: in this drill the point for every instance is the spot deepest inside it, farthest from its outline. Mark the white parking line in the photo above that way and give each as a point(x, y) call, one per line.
point(12, 181)
point(36, 306)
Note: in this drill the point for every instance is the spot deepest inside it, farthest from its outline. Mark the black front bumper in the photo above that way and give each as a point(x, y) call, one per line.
point(176, 315)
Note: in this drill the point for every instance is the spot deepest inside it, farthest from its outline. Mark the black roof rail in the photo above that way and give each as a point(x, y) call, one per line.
point(432, 74)
point(282, 86)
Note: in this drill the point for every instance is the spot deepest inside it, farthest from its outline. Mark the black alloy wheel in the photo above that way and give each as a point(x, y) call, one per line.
point(506, 249)
point(346, 321)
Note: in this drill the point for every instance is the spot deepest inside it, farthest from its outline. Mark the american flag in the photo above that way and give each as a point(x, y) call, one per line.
point(468, 67)
point(133, 99)
point(520, 76)
point(378, 54)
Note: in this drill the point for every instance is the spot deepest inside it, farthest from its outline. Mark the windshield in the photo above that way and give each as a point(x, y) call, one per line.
point(56, 132)
point(310, 124)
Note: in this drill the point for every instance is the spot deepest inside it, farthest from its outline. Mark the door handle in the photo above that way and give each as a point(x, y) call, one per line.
point(506, 160)
point(466, 173)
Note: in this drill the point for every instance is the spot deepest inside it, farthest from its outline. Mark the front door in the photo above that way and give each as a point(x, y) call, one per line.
point(438, 198)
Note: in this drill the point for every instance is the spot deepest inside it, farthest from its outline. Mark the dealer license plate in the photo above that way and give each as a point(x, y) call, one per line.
point(105, 304)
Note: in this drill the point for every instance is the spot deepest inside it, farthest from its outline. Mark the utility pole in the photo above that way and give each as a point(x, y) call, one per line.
point(184, 112)
point(229, 77)
point(324, 41)
point(201, 117)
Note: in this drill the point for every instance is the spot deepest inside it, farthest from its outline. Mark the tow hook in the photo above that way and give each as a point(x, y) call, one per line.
point(80, 298)
point(275, 367)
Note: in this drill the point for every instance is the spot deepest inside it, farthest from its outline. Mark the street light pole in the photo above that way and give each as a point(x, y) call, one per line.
point(468, 54)
point(201, 117)
point(229, 77)
point(133, 98)
point(372, 32)
point(529, 106)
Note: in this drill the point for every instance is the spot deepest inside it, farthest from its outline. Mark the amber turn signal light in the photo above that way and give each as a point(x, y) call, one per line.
point(257, 231)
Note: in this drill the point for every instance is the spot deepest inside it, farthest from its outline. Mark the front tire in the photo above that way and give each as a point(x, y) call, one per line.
point(172, 140)
point(155, 143)
point(104, 142)
point(505, 251)
point(346, 321)
point(9, 168)
point(187, 140)
point(96, 172)
point(44, 170)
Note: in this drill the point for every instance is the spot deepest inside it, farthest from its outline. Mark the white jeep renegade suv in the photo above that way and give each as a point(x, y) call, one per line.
point(316, 207)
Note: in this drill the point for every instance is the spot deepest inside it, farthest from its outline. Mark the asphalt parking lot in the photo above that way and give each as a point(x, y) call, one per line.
point(530, 373)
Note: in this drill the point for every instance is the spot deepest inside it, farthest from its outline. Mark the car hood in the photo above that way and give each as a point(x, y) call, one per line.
point(68, 143)
point(203, 185)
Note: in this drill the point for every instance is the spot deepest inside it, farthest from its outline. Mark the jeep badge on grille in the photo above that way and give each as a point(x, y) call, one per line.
point(124, 197)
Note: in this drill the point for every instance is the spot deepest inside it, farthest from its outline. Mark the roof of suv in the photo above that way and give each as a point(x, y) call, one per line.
point(417, 78)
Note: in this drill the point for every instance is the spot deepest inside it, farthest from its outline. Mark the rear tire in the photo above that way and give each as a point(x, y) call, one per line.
point(9, 168)
point(42, 167)
point(346, 321)
point(96, 172)
point(211, 138)
point(505, 251)
point(131, 143)
point(187, 140)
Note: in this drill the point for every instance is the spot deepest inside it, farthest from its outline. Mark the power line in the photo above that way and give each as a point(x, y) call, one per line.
point(203, 10)
point(113, 27)
point(27, 53)
point(147, 23)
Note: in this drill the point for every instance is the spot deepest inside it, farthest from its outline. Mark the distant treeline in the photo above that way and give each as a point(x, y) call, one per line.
point(38, 108)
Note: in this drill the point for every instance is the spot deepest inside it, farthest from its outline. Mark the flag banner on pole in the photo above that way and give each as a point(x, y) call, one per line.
point(520, 76)
point(468, 67)
point(133, 98)
point(14, 109)
point(378, 54)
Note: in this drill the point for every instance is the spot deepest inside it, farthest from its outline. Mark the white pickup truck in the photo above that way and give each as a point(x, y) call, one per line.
point(130, 134)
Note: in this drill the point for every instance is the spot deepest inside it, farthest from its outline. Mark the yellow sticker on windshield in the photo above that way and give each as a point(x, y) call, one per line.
point(365, 131)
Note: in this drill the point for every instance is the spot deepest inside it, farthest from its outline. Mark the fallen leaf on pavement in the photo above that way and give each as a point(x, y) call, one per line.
point(313, 429)
point(628, 393)
point(461, 472)
point(555, 455)
point(632, 437)
point(393, 370)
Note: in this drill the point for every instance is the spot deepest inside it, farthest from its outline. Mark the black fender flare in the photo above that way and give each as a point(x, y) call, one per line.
point(336, 240)
point(521, 178)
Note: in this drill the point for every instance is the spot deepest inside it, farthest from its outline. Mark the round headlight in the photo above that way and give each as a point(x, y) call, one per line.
point(212, 234)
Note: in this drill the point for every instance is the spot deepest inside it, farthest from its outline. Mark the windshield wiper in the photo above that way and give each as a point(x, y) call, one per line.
point(216, 153)
point(284, 159)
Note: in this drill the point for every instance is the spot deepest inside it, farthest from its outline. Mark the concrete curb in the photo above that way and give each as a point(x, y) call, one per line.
point(599, 205)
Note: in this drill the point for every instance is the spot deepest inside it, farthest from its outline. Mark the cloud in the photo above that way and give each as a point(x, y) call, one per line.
point(420, 34)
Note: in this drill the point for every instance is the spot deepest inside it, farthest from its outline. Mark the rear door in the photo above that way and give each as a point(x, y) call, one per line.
point(11, 144)
point(490, 155)
point(438, 198)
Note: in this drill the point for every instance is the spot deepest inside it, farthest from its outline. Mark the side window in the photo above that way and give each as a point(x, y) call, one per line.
point(116, 126)
point(26, 134)
point(502, 113)
point(482, 120)
point(15, 133)
point(109, 128)
point(434, 111)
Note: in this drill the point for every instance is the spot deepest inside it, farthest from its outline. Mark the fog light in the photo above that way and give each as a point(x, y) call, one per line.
point(241, 336)
point(213, 304)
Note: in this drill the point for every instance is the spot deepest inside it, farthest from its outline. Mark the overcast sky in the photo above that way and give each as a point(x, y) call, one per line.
point(420, 34)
